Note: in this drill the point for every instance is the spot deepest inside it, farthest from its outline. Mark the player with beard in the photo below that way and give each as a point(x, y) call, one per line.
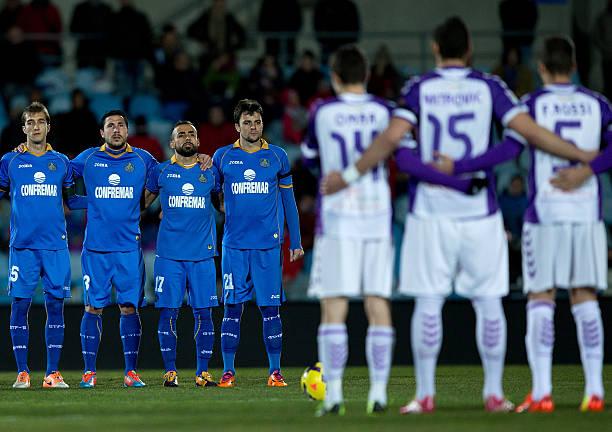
point(186, 247)
point(255, 179)
point(114, 175)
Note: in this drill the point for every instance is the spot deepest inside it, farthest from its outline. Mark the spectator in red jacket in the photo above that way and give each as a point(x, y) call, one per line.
point(42, 16)
point(216, 132)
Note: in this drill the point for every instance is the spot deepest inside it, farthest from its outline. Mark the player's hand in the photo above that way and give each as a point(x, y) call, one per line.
point(443, 163)
point(205, 161)
point(295, 254)
point(589, 155)
point(21, 148)
point(332, 183)
point(571, 178)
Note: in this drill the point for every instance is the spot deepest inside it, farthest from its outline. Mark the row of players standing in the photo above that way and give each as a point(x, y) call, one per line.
point(252, 176)
point(454, 235)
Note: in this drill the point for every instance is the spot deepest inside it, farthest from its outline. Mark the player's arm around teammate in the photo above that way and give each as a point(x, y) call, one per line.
point(114, 175)
point(186, 247)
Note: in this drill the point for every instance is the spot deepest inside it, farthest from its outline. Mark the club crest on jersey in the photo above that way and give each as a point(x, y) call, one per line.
point(202, 178)
point(52, 166)
point(129, 167)
point(265, 163)
point(249, 175)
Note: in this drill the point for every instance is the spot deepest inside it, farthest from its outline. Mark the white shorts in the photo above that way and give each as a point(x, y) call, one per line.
point(564, 255)
point(351, 267)
point(470, 256)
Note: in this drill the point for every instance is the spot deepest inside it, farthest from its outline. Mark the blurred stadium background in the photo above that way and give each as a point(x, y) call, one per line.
point(162, 61)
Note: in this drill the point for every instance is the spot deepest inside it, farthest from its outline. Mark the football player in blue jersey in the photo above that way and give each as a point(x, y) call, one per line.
point(114, 175)
point(255, 179)
point(186, 247)
point(36, 180)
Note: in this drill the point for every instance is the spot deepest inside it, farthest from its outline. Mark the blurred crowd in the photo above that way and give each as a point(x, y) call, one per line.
point(123, 61)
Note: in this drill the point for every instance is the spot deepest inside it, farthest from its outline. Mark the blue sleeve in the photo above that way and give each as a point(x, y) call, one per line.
point(284, 174)
point(78, 163)
point(69, 177)
point(151, 163)
point(217, 177)
point(152, 184)
point(77, 202)
point(292, 217)
point(218, 171)
point(408, 162)
point(509, 149)
point(5, 181)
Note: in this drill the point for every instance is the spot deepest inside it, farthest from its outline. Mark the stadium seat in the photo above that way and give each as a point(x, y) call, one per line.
point(59, 104)
point(53, 82)
point(174, 111)
point(146, 105)
point(103, 102)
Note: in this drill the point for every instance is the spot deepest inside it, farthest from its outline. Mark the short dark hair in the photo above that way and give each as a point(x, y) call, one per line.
point(33, 108)
point(114, 113)
point(181, 123)
point(452, 37)
point(249, 106)
point(557, 55)
point(350, 64)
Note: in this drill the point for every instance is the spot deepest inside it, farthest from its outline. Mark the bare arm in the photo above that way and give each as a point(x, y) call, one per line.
point(545, 140)
point(383, 146)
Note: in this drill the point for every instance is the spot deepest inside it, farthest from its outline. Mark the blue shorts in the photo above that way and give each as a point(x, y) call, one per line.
point(172, 278)
point(28, 266)
point(103, 270)
point(248, 270)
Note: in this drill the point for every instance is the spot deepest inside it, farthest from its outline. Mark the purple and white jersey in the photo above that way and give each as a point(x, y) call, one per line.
point(339, 131)
point(582, 117)
point(452, 109)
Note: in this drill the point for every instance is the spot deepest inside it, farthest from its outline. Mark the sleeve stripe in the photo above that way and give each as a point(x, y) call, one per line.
point(308, 152)
point(515, 135)
point(405, 114)
point(510, 114)
point(286, 186)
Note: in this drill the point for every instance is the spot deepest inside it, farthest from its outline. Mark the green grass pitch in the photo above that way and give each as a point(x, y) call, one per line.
point(253, 406)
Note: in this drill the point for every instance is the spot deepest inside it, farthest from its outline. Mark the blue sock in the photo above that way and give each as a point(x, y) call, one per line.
point(20, 331)
point(91, 333)
point(166, 332)
point(54, 331)
point(204, 335)
point(130, 331)
point(230, 335)
point(273, 335)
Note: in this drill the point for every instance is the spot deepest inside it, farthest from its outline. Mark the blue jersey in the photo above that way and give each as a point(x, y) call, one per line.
point(35, 185)
point(114, 185)
point(254, 217)
point(187, 231)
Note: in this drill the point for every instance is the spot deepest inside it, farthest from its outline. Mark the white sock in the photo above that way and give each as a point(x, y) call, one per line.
point(426, 335)
point(590, 339)
point(539, 341)
point(379, 353)
point(491, 342)
point(333, 352)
